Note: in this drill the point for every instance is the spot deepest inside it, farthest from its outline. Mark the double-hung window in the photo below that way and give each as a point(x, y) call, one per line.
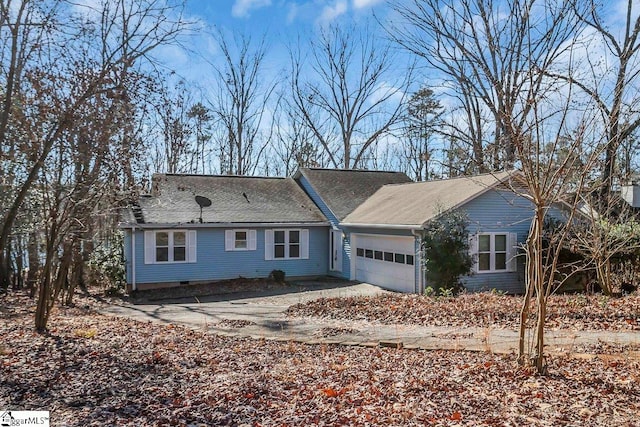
point(240, 240)
point(494, 252)
point(286, 244)
point(170, 246)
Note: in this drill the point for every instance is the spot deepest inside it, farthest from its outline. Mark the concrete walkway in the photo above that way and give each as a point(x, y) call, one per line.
point(263, 316)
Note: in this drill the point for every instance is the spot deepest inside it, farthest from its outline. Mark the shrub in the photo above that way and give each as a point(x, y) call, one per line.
point(445, 245)
point(107, 264)
point(277, 275)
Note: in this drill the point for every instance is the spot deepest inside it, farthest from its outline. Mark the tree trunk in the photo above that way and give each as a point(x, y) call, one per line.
point(44, 295)
point(524, 317)
point(34, 264)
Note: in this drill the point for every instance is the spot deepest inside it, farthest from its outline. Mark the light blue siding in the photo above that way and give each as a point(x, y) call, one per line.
point(306, 186)
point(214, 263)
point(335, 223)
point(499, 211)
point(127, 255)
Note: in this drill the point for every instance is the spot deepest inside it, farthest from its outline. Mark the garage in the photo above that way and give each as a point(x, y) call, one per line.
point(386, 261)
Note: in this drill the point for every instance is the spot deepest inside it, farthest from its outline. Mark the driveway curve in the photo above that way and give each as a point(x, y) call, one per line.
point(262, 315)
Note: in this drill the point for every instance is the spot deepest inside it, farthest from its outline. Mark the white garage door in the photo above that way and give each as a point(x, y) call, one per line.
point(386, 261)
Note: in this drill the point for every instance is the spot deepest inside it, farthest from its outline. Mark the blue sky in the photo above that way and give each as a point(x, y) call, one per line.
point(277, 15)
point(279, 21)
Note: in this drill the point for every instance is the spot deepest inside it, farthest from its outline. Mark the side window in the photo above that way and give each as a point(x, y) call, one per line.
point(484, 252)
point(162, 246)
point(286, 244)
point(294, 244)
point(169, 246)
point(240, 239)
point(279, 244)
point(493, 252)
point(179, 246)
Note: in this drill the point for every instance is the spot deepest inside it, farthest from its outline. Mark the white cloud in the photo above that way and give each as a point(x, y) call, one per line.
point(242, 8)
point(329, 13)
point(360, 4)
point(293, 13)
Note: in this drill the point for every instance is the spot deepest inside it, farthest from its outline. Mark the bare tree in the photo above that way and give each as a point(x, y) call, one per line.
point(487, 59)
point(174, 146)
point(82, 55)
point(347, 92)
point(612, 87)
point(502, 55)
point(240, 106)
point(605, 239)
point(24, 26)
point(293, 143)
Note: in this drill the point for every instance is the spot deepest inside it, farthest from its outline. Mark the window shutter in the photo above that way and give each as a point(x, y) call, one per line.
point(512, 252)
point(192, 245)
point(149, 247)
point(229, 240)
point(268, 245)
point(473, 250)
point(252, 240)
point(304, 244)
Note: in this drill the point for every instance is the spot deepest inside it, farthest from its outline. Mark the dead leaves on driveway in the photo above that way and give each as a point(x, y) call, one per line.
point(576, 312)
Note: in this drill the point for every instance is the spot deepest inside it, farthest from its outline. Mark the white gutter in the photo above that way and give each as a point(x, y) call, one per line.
point(224, 225)
point(133, 259)
point(382, 226)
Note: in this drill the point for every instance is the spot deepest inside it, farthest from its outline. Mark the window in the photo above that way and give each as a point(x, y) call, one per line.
point(294, 244)
point(240, 240)
point(493, 253)
point(286, 244)
point(385, 256)
point(279, 244)
point(169, 246)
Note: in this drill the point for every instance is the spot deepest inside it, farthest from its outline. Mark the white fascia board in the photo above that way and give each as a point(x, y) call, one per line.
point(381, 226)
point(223, 225)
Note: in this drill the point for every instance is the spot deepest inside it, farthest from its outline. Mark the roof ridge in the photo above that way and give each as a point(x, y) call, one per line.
point(350, 170)
point(455, 178)
point(194, 175)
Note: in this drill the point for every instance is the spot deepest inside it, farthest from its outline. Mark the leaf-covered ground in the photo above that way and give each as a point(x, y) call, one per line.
point(576, 312)
point(94, 370)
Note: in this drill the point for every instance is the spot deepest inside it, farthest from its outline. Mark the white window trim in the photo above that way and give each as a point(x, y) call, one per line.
point(511, 240)
point(270, 244)
point(231, 241)
point(150, 247)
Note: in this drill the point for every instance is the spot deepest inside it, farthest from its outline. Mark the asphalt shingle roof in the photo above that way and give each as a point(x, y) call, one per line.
point(416, 203)
point(343, 190)
point(235, 199)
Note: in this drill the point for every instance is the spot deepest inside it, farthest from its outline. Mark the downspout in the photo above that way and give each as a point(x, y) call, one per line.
point(133, 259)
point(421, 271)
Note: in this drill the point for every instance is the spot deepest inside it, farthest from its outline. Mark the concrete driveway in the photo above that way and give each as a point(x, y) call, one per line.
point(261, 308)
point(262, 315)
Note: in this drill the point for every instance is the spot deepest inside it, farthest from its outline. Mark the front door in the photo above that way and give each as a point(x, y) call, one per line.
point(335, 263)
